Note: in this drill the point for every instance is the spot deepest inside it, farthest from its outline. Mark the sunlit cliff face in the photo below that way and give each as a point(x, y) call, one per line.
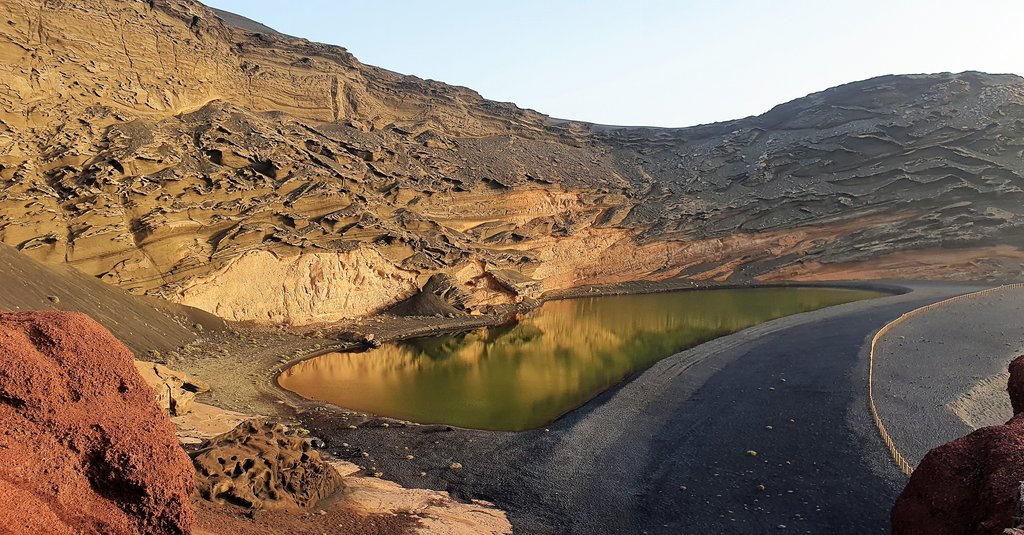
point(523, 376)
point(153, 146)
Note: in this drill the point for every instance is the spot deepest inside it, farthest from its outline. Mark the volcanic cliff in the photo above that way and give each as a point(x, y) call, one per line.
point(266, 178)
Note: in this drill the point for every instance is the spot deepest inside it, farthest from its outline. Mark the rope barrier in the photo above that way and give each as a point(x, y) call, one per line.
point(893, 451)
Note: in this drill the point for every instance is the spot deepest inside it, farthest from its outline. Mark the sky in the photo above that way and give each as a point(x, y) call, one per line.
point(656, 62)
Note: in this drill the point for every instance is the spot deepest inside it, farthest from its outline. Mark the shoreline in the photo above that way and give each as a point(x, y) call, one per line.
point(519, 459)
point(389, 328)
point(271, 351)
point(521, 471)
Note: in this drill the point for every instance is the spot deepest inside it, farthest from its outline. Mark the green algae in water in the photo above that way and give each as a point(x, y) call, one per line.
point(557, 358)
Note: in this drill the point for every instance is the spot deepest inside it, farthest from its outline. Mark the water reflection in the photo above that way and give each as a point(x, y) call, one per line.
point(561, 355)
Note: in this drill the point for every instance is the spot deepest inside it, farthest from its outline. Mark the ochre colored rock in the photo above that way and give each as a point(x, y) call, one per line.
point(262, 465)
point(83, 446)
point(265, 178)
point(175, 391)
point(969, 486)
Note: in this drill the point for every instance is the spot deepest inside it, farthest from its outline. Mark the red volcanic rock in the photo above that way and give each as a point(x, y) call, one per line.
point(1015, 386)
point(83, 446)
point(969, 486)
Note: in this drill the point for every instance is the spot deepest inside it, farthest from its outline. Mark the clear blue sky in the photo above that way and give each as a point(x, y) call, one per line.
point(656, 62)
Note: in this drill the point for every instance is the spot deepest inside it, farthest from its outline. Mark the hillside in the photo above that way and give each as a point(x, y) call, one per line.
point(263, 177)
point(142, 323)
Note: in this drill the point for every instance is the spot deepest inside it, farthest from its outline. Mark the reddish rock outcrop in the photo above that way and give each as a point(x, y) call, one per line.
point(969, 486)
point(1015, 386)
point(83, 447)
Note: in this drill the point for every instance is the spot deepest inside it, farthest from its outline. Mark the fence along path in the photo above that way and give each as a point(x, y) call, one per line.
point(893, 450)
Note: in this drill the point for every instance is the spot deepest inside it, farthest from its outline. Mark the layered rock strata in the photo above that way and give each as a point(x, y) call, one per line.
point(267, 178)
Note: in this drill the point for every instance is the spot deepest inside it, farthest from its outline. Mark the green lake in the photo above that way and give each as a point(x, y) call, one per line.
point(558, 357)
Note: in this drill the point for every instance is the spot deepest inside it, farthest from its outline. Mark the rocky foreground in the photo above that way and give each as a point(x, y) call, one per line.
point(87, 448)
point(973, 485)
point(265, 178)
point(84, 447)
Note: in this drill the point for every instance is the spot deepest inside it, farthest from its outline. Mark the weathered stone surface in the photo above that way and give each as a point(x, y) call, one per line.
point(152, 145)
point(175, 391)
point(84, 449)
point(263, 465)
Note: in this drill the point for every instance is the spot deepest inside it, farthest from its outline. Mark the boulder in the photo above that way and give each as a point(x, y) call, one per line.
point(84, 447)
point(263, 465)
point(175, 391)
point(1015, 385)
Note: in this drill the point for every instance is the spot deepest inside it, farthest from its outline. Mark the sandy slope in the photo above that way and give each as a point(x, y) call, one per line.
point(143, 324)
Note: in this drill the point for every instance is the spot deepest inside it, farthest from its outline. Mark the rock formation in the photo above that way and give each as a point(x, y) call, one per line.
point(175, 391)
point(84, 448)
point(263, 465)
point(266, 178)
point(971, 486)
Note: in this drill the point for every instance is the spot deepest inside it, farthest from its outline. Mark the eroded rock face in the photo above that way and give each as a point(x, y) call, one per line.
point(299, 289)
point(84, 448)
point(263, 465)
point(152, 145)
point(970, 486)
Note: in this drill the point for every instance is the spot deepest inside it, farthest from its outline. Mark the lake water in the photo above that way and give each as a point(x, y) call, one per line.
point(557, 358)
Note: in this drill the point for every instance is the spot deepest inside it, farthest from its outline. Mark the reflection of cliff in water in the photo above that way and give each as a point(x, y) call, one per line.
point(555, 359)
